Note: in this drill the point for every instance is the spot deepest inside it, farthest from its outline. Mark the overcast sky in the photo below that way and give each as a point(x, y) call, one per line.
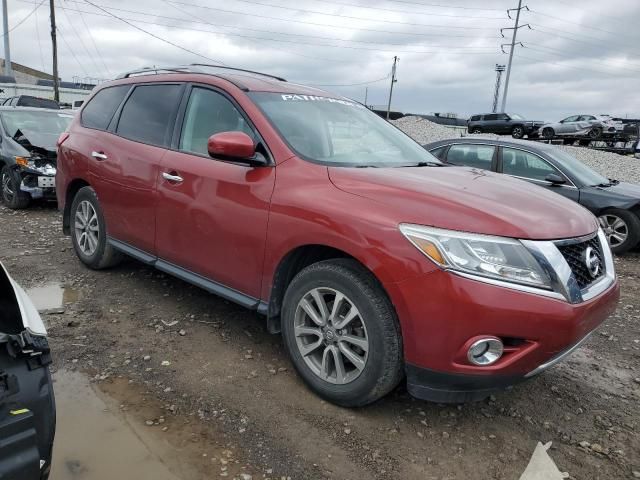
point(579, 57)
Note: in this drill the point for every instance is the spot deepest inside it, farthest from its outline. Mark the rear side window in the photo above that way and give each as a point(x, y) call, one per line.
point(100, 109)
point(148, 113)
point(476, 156)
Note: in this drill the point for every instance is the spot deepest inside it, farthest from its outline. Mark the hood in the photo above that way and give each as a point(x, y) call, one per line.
point(37, 142)
point(467, 199)
point(630, 190)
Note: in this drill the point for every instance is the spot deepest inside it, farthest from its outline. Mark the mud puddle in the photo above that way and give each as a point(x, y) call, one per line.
point(102, 434)
point(51, 296)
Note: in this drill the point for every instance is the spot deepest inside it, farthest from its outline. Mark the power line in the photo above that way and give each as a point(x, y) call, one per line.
point(559, 19)
point(84, 46)
point(316, 12)
point(39, 42)
point(72, 52)
point(24, 19)
point(95, 46)
point(154, 35)
point(347, 84)
point(555, 51)
point(566, 66)
point(413, 12)
point(599, 14)
point(447, 6)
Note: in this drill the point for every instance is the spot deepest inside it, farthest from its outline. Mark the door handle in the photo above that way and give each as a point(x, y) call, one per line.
point(99, 156)
point(172, 178)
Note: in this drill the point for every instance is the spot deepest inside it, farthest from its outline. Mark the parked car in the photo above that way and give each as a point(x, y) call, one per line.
point(373, 259)
point(30, 101)
point(503, 124)
point(592, 126)
point(27, 406)
point(615, 203)
point(28, 153)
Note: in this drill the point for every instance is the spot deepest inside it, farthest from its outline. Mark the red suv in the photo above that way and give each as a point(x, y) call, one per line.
point(374, 260)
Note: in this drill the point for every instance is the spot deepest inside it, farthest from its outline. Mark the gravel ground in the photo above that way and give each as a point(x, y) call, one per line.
point(149, 339)
point(611, 165)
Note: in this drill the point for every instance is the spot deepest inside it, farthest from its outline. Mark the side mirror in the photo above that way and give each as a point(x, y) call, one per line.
point(555, 179)
point(234, 146)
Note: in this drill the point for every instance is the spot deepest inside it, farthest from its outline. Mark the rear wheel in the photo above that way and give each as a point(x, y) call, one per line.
point(89, 233)
point(476, 130)
point(595, 132)
point(548, 133)
point(342, 333)
point(622, 229)
point(517, 131)
point(12, 196)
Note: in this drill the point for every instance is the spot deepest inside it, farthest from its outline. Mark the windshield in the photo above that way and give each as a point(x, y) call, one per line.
point(578, 170)
point(515, 116)
point(42, 122)
point(339, 132)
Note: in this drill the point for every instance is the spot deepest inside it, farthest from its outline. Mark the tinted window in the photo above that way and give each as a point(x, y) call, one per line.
point(586, 118)
point(148, 113)
point(477, 156)
point(27, 101)
point(439, 152)
point(100, 109)
point(209, 112)
point(571, 119)
point(475, 118)
point(503, 116)
point(526, 165)
point(492, 116)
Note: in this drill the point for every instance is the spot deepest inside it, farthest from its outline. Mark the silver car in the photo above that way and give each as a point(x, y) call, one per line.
point(592, 126)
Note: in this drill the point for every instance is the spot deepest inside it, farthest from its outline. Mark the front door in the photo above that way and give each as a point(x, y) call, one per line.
point(212, 215)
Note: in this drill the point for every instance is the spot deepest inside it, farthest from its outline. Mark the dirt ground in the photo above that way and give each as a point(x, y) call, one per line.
point(221, 399)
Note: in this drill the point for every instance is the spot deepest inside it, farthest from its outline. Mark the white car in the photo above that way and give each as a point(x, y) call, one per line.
point(592, 126)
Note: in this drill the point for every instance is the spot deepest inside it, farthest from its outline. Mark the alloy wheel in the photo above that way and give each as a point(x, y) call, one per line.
point(615, 229)
point(7, 190)
point(86, 228)
point(517, 132)
point(331, 335)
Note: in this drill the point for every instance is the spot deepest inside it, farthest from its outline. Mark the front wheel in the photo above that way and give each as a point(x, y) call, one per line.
point(548, 133)
point(89, 232)
point(12, 196)
point(595, 132)
point(342, 333)
point(622, 229)
point(476, 130)
point(517, 131)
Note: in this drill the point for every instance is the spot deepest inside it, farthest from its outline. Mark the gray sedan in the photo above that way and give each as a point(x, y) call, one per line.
point(592, 126)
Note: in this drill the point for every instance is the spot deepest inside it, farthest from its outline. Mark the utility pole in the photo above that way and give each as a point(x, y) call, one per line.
point(515, 29)
point(496, 94)
point(54, 45)
point(393, 80)
point(366, 94)
point(7, 51)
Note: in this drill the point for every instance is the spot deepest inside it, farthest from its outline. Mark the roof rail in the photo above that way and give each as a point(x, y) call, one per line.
point(192, 68)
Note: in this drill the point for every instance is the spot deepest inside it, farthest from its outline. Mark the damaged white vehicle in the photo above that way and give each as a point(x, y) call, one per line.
point(28, 157)
point(27, 406)
point(590, 126)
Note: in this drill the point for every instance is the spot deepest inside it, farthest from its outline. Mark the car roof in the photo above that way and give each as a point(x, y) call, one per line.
point(7, 108)
point(530, 145)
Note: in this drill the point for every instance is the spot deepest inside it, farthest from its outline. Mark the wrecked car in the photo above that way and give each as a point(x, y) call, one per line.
point(27, 406)
point(591, 126)
point(28, 153)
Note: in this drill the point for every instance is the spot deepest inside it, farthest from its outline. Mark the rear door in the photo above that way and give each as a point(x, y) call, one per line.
point(124, 162)
point(490, 123)
point(529, 166)
point(212, 214)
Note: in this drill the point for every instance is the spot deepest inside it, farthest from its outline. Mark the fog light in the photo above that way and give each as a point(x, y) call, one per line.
point(485, 352)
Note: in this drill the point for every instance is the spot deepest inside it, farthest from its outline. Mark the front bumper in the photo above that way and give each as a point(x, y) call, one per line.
point(442, 313)
point(37, 185)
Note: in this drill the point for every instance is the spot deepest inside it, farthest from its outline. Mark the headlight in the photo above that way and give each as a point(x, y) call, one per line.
point(30, 164)
point(487, 256)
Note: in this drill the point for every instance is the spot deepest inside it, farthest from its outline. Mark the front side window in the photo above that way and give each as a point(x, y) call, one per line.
point(100, 109)
point(148, 113)
point(491, 116)
point(526, 165)
point(503, 116)
point(570, 119)
point(208, 113)
point(475, 118)
point(339, 132)
point(476, 156)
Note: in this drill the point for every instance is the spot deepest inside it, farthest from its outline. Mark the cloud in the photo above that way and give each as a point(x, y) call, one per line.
point(580, 58)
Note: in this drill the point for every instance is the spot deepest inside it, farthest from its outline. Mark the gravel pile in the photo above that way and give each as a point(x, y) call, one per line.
point(611, 165)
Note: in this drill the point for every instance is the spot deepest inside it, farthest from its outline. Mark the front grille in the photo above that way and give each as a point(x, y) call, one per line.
point(574, 254)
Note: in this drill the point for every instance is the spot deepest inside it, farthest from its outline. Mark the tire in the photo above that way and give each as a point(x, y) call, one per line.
point(517, 131)
point(476, 130)
point(87, 218)
point(12, 196)
point(376, 325)
point(595, 132)
point(548, 133)
point(622, 229)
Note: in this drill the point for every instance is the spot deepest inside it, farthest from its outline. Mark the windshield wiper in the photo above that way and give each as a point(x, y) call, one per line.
point(366, 166)
point(426, 164)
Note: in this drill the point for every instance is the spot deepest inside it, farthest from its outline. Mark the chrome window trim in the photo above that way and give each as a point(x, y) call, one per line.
point(571, 184)
point(543, 182)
